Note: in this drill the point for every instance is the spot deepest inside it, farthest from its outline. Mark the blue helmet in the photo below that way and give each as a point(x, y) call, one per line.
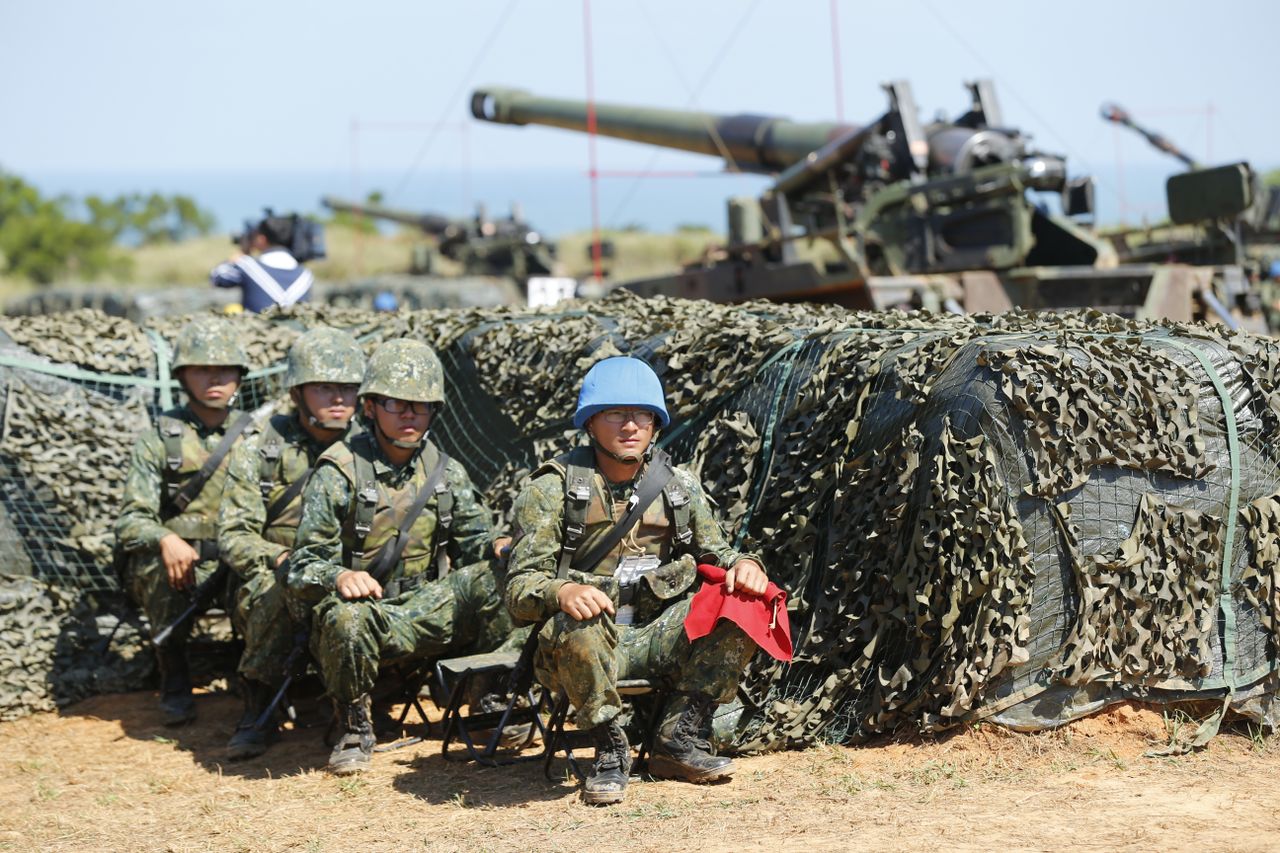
point(1275, 269)
point(385, 300)
point(621, 383)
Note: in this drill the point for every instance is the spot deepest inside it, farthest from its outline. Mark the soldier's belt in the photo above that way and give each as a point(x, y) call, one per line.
point(206, 548)
point(400, 586)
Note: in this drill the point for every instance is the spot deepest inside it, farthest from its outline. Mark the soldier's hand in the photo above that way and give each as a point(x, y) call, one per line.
point(501, 546)
point(179, 560)
point(353, 585)
point(746, 576)
point(284, 555)
point(583, 602)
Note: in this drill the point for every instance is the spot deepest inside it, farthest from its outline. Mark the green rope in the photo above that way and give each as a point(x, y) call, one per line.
point(161, 349)
point(1233, 504)
point(65, 372)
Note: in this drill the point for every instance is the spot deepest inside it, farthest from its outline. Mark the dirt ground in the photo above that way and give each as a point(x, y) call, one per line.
point(105, 775)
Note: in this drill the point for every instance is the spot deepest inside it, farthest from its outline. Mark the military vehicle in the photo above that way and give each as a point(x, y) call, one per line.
point(481, 245)
point(1247, 232)
point(956, 214)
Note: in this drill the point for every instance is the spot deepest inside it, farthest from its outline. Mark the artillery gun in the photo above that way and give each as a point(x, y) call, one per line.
point(938, 214)
point(1245, 227)
point(481, 245)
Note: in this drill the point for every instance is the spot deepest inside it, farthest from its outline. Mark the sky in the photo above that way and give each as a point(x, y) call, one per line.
point(375, 94)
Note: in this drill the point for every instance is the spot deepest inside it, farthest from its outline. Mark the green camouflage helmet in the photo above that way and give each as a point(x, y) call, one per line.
point(406, 370)
point(208, 342)
point(325, 355)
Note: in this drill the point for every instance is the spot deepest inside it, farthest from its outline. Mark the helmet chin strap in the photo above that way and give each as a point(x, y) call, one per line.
point(210, 404)
point(333, 426)
point(396, 442)
point(617, 457)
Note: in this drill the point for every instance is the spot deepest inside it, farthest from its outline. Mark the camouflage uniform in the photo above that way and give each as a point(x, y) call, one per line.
point(586, 659)
point(259, 474)
point(251, 543)
point(144, 520)
point(420, 615)
point(163, 461)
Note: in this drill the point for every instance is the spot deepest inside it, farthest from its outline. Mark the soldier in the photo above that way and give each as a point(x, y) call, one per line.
point(607, 540)
point(261, 508)
point(379, 516)
point(167, 527)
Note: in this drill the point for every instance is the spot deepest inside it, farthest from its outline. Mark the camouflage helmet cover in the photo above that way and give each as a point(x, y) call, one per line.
point(406, 370)
point(208, 342)
point(325, 355)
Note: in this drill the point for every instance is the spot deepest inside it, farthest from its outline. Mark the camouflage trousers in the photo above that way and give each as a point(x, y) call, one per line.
point(261, 617)
point(586, 659)
point(461, 613)
point(148, 586)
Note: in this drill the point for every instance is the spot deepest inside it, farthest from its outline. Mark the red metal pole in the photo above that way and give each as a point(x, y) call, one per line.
point(592, 170)
point(835, 54)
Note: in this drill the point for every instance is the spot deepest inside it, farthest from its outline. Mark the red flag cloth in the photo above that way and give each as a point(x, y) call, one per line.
point(763, 618)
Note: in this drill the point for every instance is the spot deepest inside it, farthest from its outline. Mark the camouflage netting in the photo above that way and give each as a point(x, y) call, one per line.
point(1020, 518)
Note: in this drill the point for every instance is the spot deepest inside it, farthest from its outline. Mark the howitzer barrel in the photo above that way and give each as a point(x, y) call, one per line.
point(431, 223)
point(747, 142)
point(1119, 115)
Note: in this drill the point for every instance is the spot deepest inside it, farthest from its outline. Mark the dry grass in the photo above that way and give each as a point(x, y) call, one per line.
point(349, 254)
point(105, 776)
point(353, 255)
point(638, 254)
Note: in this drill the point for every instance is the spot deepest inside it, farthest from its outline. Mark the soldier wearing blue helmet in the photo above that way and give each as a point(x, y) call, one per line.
point(607, 541)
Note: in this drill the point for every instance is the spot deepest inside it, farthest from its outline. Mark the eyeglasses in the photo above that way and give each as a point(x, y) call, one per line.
point(396, 406)
point(641, 417)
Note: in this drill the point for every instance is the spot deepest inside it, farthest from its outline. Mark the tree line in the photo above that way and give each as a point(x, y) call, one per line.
point(46, 239)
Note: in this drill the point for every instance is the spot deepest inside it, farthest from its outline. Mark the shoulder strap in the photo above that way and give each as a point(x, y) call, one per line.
point(171, 434)
point(295, 488)
point(444, 524)
point(577, 500)
point(390, 556)
point(184, 496)
point(365, 500)
point(655, 479)
point(270, 449)
point(678, 503)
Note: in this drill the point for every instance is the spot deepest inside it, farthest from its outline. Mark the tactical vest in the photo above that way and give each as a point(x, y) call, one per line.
point(376, 510)
point(281, 463)
point(587, 517)
point(184, 454)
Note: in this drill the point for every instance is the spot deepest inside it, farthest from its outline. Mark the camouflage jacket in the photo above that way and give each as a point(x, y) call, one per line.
point(248, 540)
point(538, 529)
point(327, 538)
point(144, 517)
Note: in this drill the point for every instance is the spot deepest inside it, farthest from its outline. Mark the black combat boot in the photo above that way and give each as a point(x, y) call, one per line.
point(683, 746)
point(249, 740)
point(386, 728)
point(353, 753)
point(607, 783)
point(176, 705)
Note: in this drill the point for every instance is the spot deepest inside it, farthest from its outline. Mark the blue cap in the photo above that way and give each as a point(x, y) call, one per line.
point(621, 383)
point(385, 301)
